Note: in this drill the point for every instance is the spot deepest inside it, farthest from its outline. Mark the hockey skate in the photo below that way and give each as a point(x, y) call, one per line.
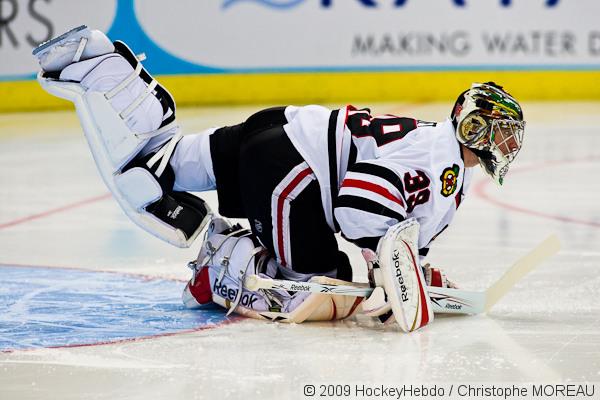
point(129, 122)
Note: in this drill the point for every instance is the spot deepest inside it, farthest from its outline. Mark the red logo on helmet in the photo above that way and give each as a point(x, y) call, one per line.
point(458, 109)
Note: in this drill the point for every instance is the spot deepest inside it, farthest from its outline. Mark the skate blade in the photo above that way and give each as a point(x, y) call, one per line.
point(57, 40)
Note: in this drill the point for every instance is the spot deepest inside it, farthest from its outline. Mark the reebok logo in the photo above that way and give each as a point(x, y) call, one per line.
point(173, 214)
point(247, 300)
point(299, 287)
point(399, 277)
point(453, 306)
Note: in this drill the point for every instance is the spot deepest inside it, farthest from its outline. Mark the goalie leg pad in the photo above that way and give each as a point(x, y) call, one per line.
point(79, 43)
point(322, 307)
point(124, 111)
point(227, 254)
point(227, 257)
point(139, 187)
point(402, 276)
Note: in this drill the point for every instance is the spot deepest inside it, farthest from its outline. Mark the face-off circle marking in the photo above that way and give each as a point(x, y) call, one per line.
point(68, 307)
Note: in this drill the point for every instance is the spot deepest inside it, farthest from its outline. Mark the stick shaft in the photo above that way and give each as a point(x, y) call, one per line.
point(443, 300)
point(519, 269)
point(254, 282)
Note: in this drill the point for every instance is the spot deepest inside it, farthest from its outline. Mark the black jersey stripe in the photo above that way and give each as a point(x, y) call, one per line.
point(369, 242)
point(381, 172)
point(353, 155)
point(363, 204)
point(333, 171)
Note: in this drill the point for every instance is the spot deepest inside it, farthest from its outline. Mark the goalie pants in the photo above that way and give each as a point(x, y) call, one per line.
point(260, 176)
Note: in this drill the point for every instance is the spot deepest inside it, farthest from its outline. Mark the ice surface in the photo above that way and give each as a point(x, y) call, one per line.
point(55, 307)
point(54, 213)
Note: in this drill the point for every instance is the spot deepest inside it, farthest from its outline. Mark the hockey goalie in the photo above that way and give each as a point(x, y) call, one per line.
point(299, 175)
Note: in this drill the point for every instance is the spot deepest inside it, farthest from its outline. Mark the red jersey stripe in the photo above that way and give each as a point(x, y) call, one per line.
point(372, 187)
point(280, 203)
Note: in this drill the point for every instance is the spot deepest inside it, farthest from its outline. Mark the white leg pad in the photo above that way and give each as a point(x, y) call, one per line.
point(138, 187)
point(114, 144)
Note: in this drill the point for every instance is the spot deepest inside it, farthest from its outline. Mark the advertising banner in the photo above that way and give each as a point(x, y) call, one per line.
point(266, 35)
point(316, 49)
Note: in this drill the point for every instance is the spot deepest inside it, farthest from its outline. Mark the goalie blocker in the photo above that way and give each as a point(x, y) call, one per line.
point(400, 274)
point(114, 110)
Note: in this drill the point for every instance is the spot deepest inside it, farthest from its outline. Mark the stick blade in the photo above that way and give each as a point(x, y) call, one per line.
point(522, 267)
point(456, 301)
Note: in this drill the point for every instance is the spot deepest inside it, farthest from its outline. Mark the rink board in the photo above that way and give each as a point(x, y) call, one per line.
point(260, 51)
point(334, 87)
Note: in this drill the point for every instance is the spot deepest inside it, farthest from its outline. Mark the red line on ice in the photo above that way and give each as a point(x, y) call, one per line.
point(480, 190)
point(131, 340)
point(53, 211)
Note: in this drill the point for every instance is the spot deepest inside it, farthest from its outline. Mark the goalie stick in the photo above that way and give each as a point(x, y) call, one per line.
point(444, 300)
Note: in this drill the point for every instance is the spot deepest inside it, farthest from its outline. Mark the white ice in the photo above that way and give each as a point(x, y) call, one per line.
point(547, 330)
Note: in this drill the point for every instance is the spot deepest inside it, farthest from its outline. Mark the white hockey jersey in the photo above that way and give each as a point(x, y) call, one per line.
point(376, 171)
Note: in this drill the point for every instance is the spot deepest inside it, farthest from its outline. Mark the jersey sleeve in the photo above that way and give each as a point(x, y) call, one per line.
point(371, 199)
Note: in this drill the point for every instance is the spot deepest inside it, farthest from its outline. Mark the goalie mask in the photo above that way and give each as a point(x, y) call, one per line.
point(489, 122)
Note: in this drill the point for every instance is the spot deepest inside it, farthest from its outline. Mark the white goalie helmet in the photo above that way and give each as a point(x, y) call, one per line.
point(489, 122)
